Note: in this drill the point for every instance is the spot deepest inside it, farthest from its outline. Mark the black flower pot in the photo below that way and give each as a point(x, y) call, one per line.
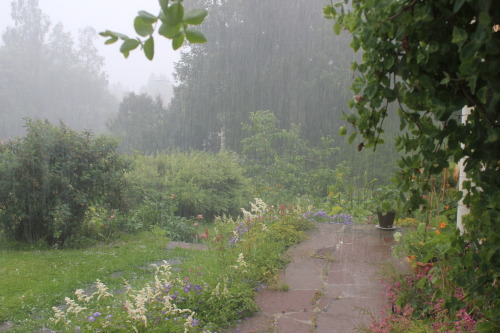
point(387, 220)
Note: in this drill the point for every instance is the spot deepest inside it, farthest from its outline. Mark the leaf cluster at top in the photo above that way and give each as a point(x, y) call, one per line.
point(173, 24)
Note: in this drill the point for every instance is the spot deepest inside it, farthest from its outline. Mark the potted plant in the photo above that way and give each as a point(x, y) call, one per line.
point(385, 201)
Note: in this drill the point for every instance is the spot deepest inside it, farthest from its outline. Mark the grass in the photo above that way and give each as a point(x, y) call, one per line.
point(32, 281)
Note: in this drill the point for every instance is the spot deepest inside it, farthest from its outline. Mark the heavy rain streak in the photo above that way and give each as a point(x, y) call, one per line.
point(98, 149)
point(260, 57)
point(182, 165)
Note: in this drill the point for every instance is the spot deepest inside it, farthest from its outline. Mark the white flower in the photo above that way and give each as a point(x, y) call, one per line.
point(80, 295)
point(241, 260)
point(102, 290)
point(73, 307)
point(397, 236)
point(246, 213)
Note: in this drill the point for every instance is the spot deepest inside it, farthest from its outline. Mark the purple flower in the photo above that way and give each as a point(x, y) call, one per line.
point(97, 314)
point(187, 288)
point(91, 319)
point(320, 213)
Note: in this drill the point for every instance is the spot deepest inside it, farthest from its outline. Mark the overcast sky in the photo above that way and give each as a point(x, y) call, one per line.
point(115, 15)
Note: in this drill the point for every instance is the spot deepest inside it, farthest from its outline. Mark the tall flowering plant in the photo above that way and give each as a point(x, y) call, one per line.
point(154, 307)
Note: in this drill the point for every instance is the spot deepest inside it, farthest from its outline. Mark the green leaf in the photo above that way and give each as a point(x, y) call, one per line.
point(174, 14)
point(482, 94)
point(149, 48)
point(170, 31)
point(484, 18)
point(459, 36)
point(128, 45)
point(389, 62)
point(342, 131)
point(147, 17)
point(164, 5)
point(458, 4)
point(421, 283)
point(493, 135)
point(111, 40)
point(370, 91)
point(195, 16)
point(195, 36)
point(142, 27)
point(337, 28)
point(355, 43)
point(109, 33)
point(351, 137)
point(446, 79)
point(177, 42)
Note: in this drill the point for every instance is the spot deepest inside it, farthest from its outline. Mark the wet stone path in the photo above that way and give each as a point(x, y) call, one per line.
point(333, 279)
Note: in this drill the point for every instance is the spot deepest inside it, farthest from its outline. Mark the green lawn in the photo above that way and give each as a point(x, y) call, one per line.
point(32, 281)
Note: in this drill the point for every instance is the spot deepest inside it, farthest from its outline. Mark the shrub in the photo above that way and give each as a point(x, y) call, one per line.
point(50, 177)
point(159, 216)
point(281, 162)
point(201, 183)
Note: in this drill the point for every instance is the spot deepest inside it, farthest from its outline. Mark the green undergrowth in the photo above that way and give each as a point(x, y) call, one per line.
point(203, 290)
point(34, 280)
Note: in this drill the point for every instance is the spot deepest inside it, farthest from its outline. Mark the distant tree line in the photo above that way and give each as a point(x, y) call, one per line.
point(44, 73)
point(255, 60)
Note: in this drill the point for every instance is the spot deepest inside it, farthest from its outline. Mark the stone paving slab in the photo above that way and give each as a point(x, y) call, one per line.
point(334, 282)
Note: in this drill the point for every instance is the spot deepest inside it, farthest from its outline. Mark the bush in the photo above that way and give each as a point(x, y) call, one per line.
point(158, 216)
point(200, 182)
point(281, 162)
point(50, 177)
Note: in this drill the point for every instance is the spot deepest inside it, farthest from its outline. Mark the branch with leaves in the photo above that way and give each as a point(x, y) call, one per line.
point(171, 22)
point(440, 55)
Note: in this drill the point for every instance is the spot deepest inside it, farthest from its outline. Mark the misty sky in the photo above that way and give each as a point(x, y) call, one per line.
point(116, 15)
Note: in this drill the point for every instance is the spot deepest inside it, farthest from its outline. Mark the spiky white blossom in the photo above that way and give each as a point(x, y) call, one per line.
point(80, 295)
point(73, 307)
point(259, 207)
point(102, 290)
point(59, 315)
point(246, 214)
point(241, 261)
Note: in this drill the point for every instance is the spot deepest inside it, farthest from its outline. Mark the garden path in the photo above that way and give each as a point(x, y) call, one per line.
point(334, 283)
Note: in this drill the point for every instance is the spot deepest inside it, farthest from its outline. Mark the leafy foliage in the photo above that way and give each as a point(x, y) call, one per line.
point(201, 183)
point(280, 160)
point(174, 25)
point(213, 288)
point(432, 58)
point(159, 216)
point(51, 177)
point(248, 66)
